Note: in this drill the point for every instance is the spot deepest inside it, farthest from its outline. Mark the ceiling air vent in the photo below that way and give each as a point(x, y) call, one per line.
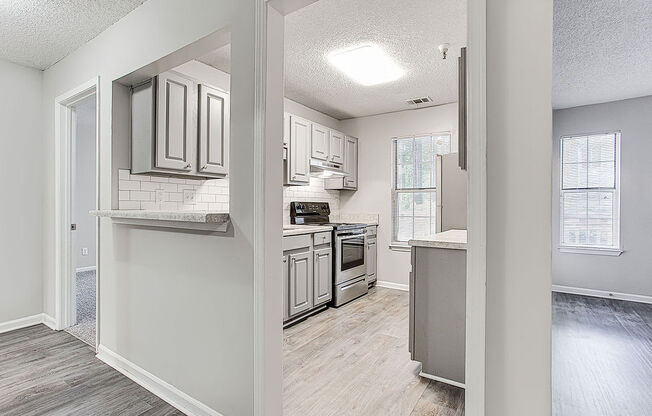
point(421, 100)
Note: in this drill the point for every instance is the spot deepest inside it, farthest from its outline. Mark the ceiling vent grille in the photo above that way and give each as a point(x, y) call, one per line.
point(421, 100)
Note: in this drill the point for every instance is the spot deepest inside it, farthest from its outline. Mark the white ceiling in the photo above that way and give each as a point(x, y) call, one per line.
point(410, 31)
point(602, 51)
point(38, 33)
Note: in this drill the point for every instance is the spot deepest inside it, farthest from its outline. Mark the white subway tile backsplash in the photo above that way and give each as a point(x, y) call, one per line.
point(139, 192)
point(129, 186)
point(314, 192)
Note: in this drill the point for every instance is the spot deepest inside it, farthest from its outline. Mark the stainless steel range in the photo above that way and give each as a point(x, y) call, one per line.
point(349, 253)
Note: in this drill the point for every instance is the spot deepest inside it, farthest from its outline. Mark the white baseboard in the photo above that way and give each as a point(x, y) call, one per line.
point(392, 285)
point(602, 294)
point(49, 321)
point(443, 380)
point(85, 269)
point(39, 318)
point(150, 382)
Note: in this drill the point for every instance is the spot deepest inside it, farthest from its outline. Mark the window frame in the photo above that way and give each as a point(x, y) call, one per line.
point(616, 249)
point(395, 244)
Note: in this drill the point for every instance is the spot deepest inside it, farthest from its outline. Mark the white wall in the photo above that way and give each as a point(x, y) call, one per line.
point(519, 127)
point(21, 178)
point(375, 173)
point(178, 304)
point(631, 272)
point(84, 189)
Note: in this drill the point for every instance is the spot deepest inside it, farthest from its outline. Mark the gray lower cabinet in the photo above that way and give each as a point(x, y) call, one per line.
point(307, 275)
point(438, 312)
point(286, 287)
point(323, 276)
point(301, 283)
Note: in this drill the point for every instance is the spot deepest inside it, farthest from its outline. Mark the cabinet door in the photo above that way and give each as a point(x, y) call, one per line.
point(286, 288)
point(323, 276)
point(174, 127)
point(336, 149)
point(214, 124)
point(319, 142)
point(351, 162)
point(372, 251)
point(286, 129)
point(300, 283)
point(299, 150)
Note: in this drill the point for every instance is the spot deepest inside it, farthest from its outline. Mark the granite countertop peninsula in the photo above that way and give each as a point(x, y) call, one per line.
point(451, 239)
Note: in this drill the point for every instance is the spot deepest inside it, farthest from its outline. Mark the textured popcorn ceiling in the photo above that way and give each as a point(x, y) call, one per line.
point(408, 30)
point(602, 51)
point(38, 33)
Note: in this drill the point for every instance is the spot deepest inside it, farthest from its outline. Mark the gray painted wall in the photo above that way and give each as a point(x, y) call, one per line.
point(21, 288)
point(631, 272)
point(84, 189)
point(519, 126)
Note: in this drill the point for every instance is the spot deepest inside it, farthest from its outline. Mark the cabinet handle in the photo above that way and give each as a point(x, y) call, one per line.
point(204, 167)
point(189, 165)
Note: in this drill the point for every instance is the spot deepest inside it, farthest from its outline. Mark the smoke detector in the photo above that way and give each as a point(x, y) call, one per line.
point(443, 49)
point(420, 100)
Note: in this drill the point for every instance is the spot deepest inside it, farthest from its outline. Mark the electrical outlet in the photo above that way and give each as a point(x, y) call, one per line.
point(189, 196)
point(159, 195)
point(85, 251)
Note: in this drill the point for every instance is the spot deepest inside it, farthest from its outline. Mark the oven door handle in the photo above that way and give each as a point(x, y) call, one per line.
point(350, 236)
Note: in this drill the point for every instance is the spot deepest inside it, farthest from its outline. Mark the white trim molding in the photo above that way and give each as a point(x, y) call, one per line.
point(49, 321)
point(153, 384)
point(392, 285)
point(476, 258)
point(602, 294)
point(595, 251)
point(39, 318)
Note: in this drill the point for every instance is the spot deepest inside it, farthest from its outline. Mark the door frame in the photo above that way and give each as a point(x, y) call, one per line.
point(476, 261)
point(64, 169)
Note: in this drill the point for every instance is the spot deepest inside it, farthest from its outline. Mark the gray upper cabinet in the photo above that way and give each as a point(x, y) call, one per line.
point(179, 128)
point(323, 280)
point(298, 163)
point(214, 122)
point(174, 124)
point(350, 179)
point(319, 142)
point(301, 283)
point(351, 162)
point(336, 148)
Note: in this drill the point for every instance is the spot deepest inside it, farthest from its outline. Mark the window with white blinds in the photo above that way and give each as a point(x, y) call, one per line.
point(590, 191)
point(414, 198)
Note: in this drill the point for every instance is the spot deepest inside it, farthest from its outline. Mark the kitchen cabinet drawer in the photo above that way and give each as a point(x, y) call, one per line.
point(322, 238)
point(295, 242)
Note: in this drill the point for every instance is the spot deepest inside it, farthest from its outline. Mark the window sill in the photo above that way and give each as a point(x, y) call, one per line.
point(399, 247)
point(592, 251)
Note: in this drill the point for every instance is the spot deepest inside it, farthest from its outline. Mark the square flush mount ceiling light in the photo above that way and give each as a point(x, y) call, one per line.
point(367, 65)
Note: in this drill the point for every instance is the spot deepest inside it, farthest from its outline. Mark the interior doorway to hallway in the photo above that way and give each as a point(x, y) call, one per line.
point(77, 195)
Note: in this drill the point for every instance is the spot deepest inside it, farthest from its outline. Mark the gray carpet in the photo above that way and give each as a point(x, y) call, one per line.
point(85, 327)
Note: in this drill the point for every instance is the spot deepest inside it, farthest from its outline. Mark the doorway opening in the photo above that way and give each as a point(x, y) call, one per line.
point(602, 300)
point(77, 195)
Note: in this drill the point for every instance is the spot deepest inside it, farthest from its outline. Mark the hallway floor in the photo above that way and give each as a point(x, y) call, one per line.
point(85, 327)
point(354, 361)
point(602, 357)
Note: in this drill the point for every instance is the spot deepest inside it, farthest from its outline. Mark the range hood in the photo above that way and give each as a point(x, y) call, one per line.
point(324, 169)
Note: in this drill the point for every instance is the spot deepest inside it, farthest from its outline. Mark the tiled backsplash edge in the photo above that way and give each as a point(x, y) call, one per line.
point(140, 192)
point(314, 192)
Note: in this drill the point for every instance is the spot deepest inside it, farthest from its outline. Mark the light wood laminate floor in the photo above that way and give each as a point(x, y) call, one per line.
point(602, 357)
point(45, 372)
point(354, 361)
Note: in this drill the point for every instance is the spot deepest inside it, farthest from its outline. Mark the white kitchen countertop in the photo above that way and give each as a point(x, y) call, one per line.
point(451, 239)
point(294, 229)
point(201, 220)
